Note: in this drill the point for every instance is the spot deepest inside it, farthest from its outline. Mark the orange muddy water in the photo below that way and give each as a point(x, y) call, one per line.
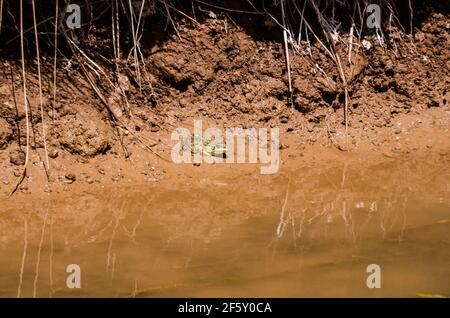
point(310, 230)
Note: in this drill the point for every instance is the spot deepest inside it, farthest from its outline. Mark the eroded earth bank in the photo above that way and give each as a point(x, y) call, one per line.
point(138, 224)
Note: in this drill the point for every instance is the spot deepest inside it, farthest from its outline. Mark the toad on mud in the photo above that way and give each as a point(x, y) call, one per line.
point(196, 143)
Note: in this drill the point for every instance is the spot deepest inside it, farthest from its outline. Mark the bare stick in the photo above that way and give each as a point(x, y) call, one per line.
point(118, 29)
point(54, 63)
point(24, 81)
point(136, 58)
point(25, 103)
point(344, 82)
point(286, 48)
point(185, 15)
point(1, 14)
point(47, 166)
point(410, 17)
point(116, 49)
point(113, 22)
point(350, 45)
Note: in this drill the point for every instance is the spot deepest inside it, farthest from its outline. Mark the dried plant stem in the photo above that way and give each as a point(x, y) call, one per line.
point(410, 17)
point(24, 81)
point(286, 48)
point(114, 32)
point(344, 82)
point(1, 14)
point(118, 28)
point(41, 104)
point(350, 44)
point(135, 52)
point(25, 103)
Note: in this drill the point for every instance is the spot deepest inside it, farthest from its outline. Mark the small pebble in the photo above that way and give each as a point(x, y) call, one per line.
point(53, 153)
point(116, 178)
point(71, 177)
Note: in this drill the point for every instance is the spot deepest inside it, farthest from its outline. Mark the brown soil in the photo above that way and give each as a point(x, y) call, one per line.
point(216, 71)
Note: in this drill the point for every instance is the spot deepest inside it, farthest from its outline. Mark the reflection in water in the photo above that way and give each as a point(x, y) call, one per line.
point(304, 232)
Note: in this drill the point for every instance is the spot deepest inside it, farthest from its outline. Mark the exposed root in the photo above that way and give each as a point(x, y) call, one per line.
point(25, 103)
point(55, 59)
point(47, 164)
point(1, 14)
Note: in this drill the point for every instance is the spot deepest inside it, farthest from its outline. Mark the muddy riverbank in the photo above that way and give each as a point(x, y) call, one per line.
point(362, 176)
point(223, 74)
point(310, 230)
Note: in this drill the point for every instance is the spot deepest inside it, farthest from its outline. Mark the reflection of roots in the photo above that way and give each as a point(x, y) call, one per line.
point(356, 217)
point(39, 256)
point(152, 291)
point(24, 255)
point(109, 264)
point(283, 220)
point(51, 256)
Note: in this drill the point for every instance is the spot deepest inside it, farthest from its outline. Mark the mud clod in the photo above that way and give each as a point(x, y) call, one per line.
point(86, 139)
point(5, 134)
point(71, 177)
point(17, 158)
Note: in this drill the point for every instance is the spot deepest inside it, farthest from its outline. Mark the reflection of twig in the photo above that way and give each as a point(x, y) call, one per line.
point(405, 199)
point(280, 228)
point(51, 255)
point(135, 291)
point(133, 233)
point(39, 256)
point(24, 255)
point(113, 266)
point(293, 229)
point(302, 221)
point(108, 255)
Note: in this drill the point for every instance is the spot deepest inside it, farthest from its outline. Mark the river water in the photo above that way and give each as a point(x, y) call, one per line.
point(308, 231)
